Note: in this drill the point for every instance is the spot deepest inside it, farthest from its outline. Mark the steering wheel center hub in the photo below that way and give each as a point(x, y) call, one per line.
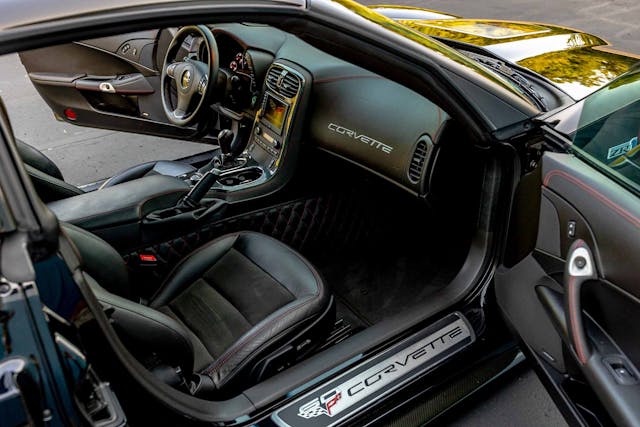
point(186, 78)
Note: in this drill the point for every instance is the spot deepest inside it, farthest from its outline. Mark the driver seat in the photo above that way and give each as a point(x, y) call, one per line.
point(51, 186)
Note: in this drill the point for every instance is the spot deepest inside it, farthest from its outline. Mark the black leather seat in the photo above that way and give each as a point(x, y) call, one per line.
point(51, 186)
point(241, 304)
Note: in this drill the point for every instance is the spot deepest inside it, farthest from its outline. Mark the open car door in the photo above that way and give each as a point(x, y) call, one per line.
point(109, 82)
point(574, 300)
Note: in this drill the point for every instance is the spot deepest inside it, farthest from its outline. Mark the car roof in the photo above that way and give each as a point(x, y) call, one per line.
point(18, 13)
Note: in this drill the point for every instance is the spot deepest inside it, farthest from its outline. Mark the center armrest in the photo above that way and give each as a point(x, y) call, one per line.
point(123, 203)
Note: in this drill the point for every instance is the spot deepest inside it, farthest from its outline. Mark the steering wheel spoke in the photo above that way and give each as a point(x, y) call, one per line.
point(171, 69)
point(202, 85)
point(182, 109)
point(202, 73)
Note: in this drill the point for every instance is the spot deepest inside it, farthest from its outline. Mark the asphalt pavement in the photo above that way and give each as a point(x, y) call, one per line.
point(85, 155)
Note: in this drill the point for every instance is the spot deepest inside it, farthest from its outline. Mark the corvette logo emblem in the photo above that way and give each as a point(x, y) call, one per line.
point(321, 405)
point(186, 79)
point(360, 137)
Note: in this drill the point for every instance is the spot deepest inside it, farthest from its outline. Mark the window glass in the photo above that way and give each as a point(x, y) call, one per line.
point(609, 128)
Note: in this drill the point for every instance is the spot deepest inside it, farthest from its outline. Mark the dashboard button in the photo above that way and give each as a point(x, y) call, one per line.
point(258, 130)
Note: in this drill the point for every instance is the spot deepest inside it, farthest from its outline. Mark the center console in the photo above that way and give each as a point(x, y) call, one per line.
point(271, 131)
point(151, 208)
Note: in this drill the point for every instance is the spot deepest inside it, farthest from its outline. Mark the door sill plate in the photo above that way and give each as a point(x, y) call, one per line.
point(363, 385)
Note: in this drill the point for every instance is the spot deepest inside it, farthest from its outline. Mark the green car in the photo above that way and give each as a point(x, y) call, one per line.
point(375, 213)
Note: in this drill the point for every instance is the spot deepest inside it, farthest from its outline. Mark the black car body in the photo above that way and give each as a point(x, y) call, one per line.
point(445, 193)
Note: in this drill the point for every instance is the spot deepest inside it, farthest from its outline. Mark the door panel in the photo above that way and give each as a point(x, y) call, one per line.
point(580, 203)
point(612, 211)
point(110, 82)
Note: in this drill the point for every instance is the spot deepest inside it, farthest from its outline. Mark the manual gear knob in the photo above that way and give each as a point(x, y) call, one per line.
point(225, 138)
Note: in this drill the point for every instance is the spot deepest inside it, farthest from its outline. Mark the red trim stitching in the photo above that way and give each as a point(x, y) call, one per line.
point(602, 198)
point(239, 345)
point(574, 322)
point(340, 78)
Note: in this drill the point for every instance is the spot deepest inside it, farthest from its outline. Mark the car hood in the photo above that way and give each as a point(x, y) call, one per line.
point(576, 62)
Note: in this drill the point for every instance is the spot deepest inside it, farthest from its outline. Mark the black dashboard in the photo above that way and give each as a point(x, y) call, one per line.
point(339, 107)
point(351, 113)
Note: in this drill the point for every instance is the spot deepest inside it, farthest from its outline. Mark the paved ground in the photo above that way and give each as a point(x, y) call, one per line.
point(519, 400)
point(83, 154)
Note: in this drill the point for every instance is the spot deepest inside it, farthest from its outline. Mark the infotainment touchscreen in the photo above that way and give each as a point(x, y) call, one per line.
point(275, 113)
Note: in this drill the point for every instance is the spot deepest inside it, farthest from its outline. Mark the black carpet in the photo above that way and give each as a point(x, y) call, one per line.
point(378, 284)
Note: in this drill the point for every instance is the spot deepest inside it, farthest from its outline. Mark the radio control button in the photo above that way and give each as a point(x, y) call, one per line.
point(258, 130)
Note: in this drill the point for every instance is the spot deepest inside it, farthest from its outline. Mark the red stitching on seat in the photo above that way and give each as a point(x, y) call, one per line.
point(602, 198)
point(238, 346)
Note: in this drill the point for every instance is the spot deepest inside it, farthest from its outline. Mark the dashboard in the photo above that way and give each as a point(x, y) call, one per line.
point(281, 92)
point(347, 111)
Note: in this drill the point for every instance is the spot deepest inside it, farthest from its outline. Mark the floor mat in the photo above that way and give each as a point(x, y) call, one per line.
point(374, 286)
point(349, 316)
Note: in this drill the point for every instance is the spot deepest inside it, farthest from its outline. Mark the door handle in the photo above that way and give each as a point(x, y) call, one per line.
point(128, 84)
point(579, 269)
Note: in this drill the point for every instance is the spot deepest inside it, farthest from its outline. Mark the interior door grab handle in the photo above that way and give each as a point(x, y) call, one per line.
point(579, 269)
point(107, 87)
point(128, 84)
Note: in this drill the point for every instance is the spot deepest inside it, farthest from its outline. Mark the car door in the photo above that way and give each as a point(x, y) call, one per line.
point(574, 297)
point(108, 82)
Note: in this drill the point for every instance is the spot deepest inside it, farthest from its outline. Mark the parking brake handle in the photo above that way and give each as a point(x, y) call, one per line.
point(197, 193)
point(579, 269)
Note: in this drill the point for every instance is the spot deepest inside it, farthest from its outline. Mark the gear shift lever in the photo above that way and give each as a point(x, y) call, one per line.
point(225, 139)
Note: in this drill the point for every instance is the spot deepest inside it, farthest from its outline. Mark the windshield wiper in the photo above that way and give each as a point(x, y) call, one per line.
point(514, 76)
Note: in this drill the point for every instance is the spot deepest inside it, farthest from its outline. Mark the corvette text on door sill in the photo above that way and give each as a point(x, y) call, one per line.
point(363, 385)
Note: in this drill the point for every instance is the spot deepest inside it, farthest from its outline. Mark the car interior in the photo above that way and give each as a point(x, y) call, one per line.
point(333, 199)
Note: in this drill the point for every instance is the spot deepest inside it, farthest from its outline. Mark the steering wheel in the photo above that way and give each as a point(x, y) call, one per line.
point(192, 79)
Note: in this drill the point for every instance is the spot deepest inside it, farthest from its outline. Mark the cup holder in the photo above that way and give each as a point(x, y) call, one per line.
point(240, 177)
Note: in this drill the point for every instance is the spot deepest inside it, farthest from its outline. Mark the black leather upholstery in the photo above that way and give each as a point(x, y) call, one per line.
point(254, 286)
point(124, 203)
point(51, 186)
point(227, 306)
point(37, 160)
point(160, 167)
point(101, 261)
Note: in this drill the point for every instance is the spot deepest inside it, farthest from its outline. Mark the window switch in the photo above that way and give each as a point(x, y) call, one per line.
point(620, 370)
point(571, 229)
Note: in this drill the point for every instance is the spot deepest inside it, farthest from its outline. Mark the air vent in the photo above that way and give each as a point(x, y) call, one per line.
point(283, 82)
point(419, 159)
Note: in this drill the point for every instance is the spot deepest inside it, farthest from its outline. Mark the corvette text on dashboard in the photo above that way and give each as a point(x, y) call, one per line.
point(360, 137)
